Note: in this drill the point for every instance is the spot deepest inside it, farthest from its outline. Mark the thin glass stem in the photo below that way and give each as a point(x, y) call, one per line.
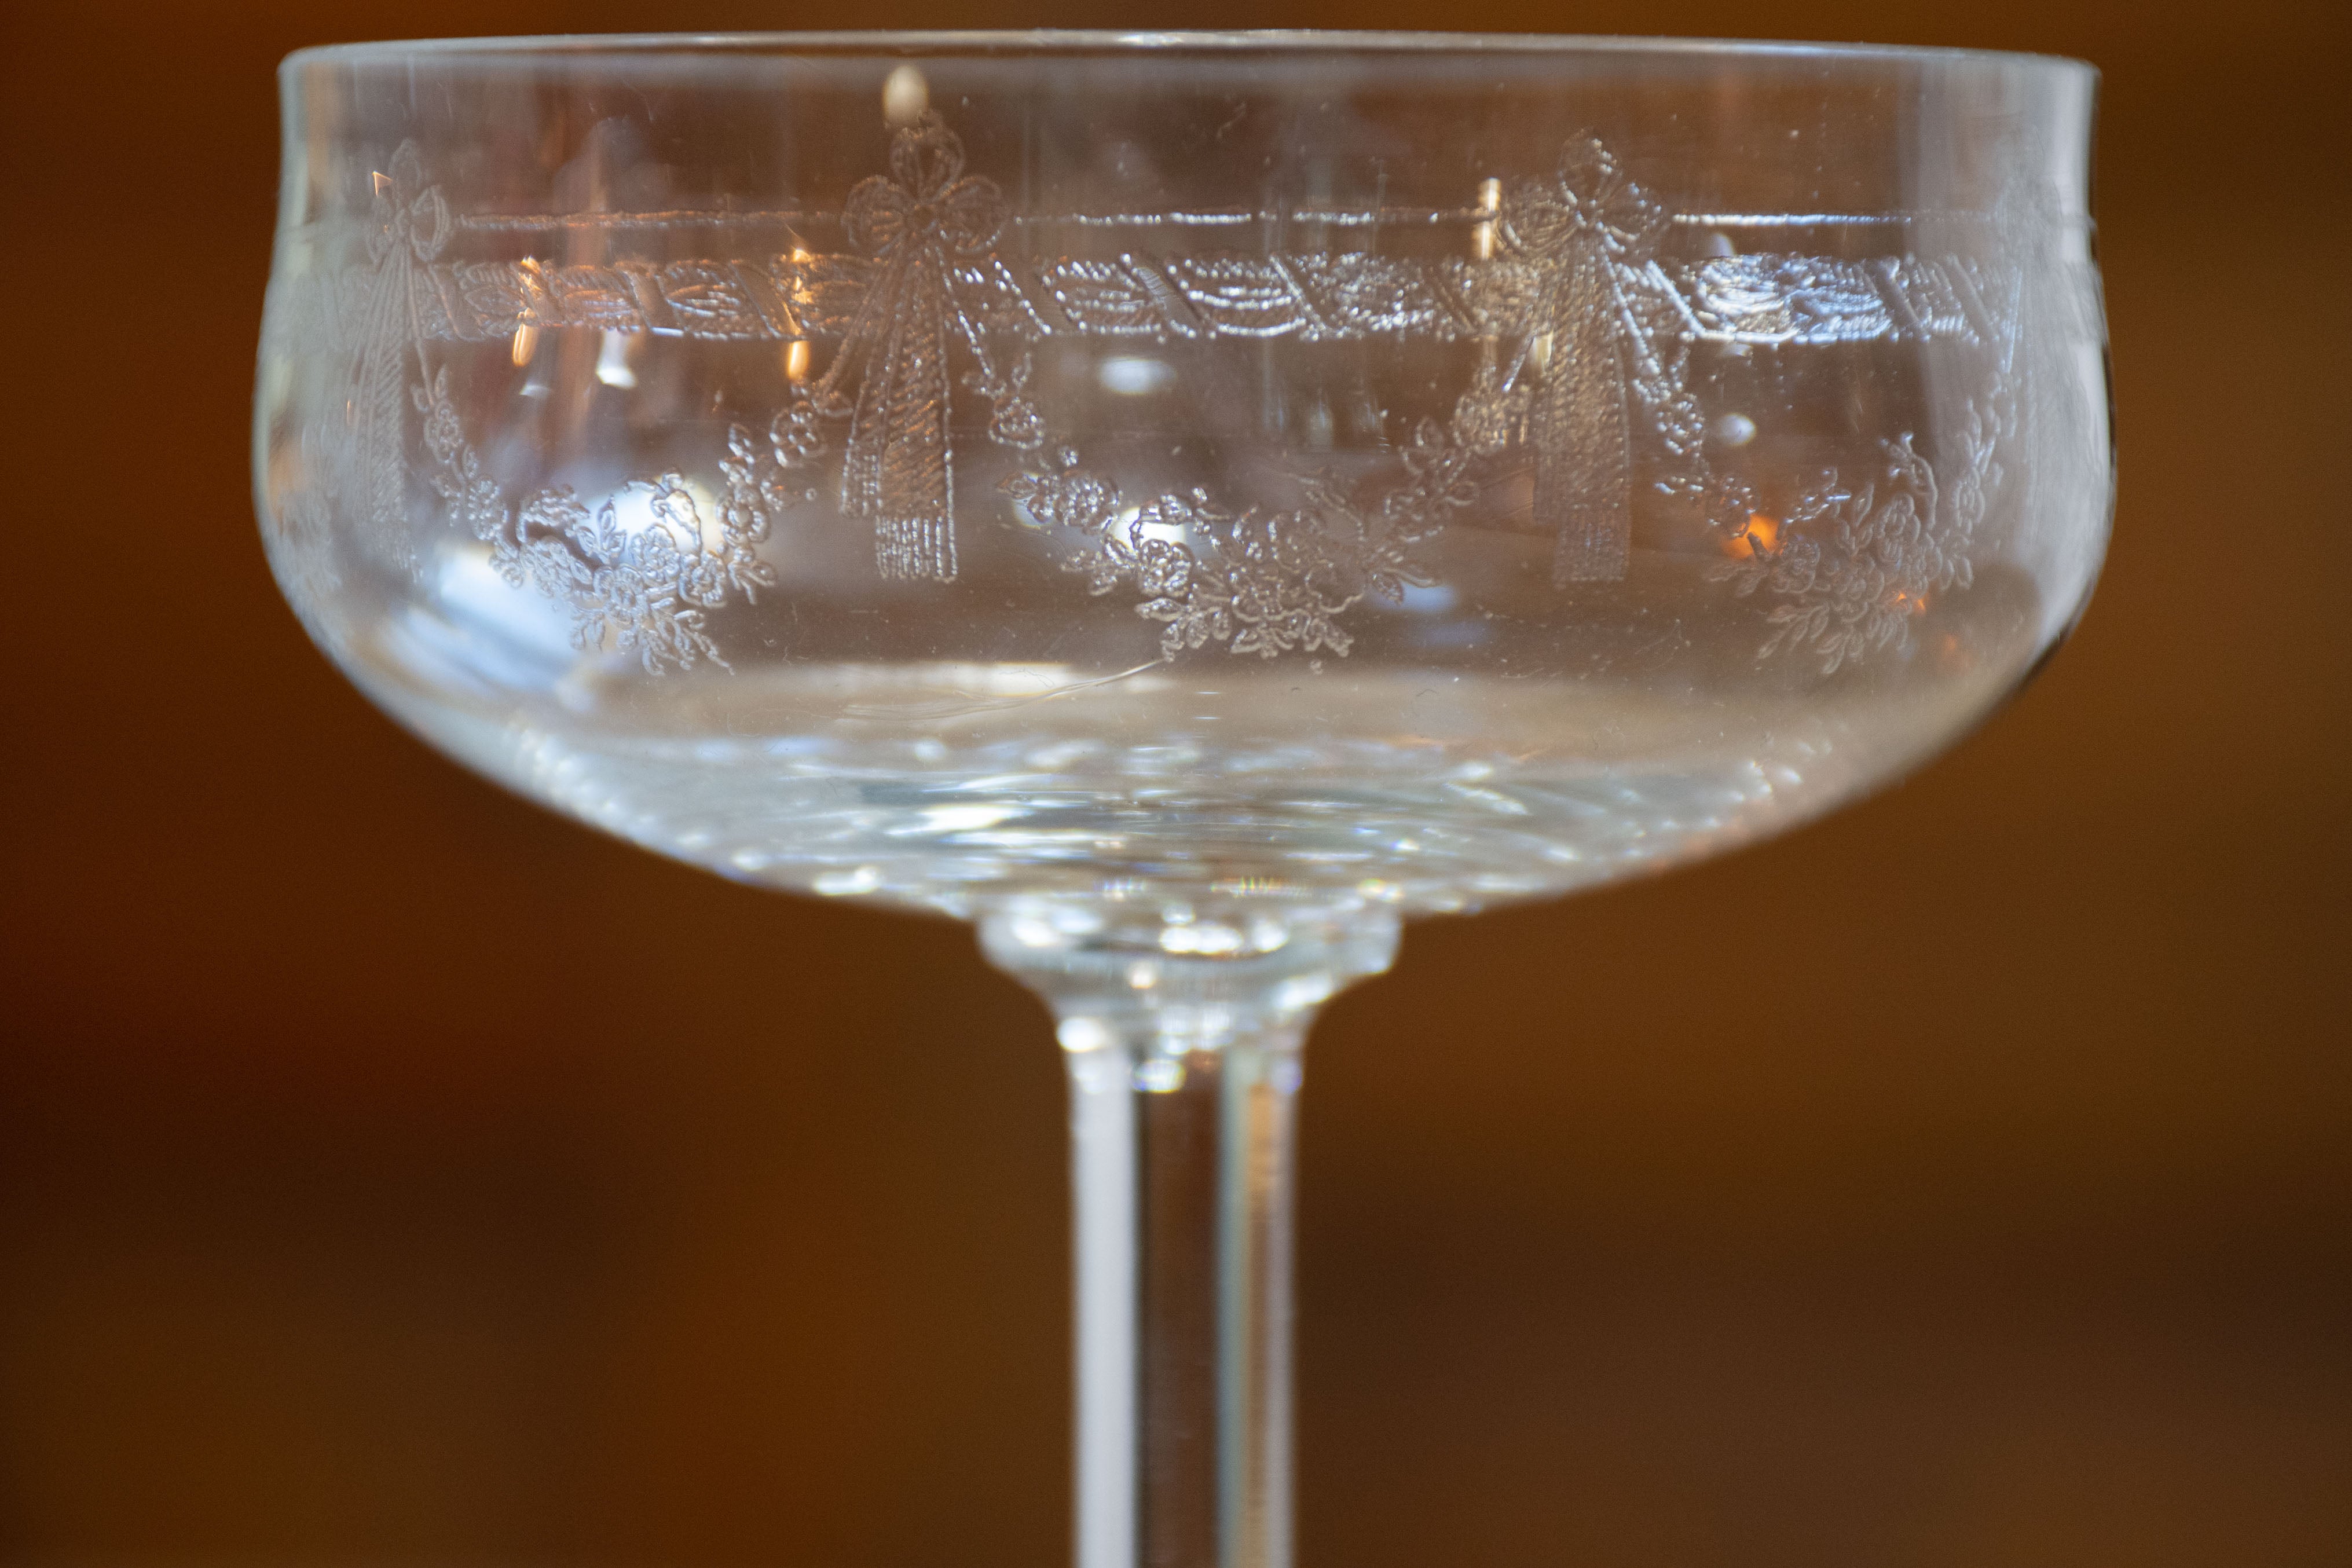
point(1184, 1074)
point(1181, 1164)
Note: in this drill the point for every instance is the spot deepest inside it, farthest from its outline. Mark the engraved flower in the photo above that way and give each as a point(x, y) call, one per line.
point(794, 435)
point(1162, 569)
point(1439, 468)
point(1491, 414)
point(1063, 494)
point(930, 198)
point(1013, 419)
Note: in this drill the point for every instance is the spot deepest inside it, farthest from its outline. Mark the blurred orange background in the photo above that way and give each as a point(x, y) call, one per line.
point(390, 1172)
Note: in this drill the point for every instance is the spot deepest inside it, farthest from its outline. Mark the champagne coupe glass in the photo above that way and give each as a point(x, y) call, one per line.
point(1185, 502)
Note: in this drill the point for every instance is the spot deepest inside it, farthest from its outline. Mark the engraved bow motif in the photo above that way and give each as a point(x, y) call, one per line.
point(1583, 225)
point(406, 216)
point(897, 468)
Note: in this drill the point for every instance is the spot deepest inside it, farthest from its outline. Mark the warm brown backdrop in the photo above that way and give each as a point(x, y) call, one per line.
point(389, 1172)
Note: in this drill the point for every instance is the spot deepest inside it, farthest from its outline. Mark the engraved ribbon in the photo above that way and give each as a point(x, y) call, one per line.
point(897, 468)
point(1588, 226)
point(408, 225)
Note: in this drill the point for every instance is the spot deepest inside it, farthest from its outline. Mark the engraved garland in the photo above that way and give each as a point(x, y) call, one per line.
point(1583, 337)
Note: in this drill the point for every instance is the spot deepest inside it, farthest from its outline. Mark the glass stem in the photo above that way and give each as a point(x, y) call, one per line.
point(1182, 1037)
point(1181, 1193)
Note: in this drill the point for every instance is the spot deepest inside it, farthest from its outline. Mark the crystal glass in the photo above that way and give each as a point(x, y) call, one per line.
point(1186, 503)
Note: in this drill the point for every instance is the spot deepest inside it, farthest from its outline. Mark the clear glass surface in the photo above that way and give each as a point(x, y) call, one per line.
point(1184, 502)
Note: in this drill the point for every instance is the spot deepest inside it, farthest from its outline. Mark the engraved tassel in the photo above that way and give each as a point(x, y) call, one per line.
point(381, 400)
point(897, 468)
point(411, 225)
point(1579, 425)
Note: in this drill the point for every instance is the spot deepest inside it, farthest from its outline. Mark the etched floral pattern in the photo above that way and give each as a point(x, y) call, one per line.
point(642, 590)
point(1854, 565)
point(1583, 337)
point(1264, 584)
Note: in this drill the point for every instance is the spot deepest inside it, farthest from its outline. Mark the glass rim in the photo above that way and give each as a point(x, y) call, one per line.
point(1048, 42)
